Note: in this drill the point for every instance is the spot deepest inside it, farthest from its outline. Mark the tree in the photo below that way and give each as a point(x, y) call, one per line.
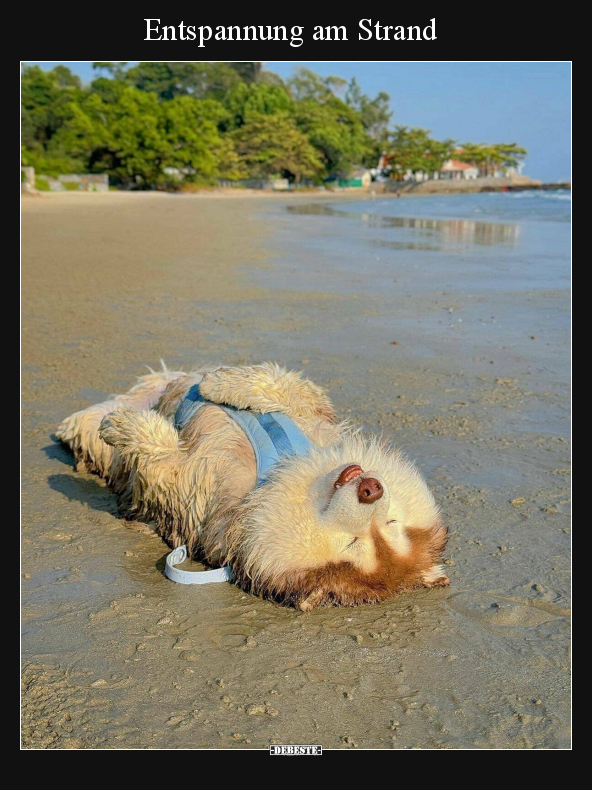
point(47, 164)
point(137, 137)
point(336, 131)
point(306, 85)
point(193, 142)
point(270, 78)
point(507, 155)
point(249, 71)
point(65, 78)
point(116, 70)
point(168, 80)
point(244, 102)
point(46, 98)
point(412, 148)
point(109, 90)
point(488, 158)
point(271, 145)
point(375, 114)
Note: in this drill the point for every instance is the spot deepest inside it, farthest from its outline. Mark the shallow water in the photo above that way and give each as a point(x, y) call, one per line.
point(442, 323)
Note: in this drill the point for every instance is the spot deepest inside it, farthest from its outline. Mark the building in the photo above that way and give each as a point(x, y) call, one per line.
point(72, 182)
point(455, 169)
point(359, 177)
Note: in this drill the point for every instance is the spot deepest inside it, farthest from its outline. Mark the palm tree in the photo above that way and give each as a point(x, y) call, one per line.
point(487, 158)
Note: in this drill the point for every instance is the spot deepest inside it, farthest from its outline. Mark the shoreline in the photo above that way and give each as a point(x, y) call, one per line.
point(419, 189)
point(478, 185)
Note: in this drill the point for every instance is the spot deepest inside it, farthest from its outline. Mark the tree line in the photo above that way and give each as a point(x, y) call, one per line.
point(157, 125)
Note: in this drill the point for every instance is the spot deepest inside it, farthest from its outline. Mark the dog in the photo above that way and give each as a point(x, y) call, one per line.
point(345, 521)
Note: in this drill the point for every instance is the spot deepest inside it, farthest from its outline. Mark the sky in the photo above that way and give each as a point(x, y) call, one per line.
point(527, 103)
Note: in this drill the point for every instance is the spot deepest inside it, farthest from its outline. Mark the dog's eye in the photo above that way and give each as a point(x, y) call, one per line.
point(392, 521)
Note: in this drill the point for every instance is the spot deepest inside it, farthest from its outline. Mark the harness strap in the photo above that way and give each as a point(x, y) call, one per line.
point(179, 555)
point(272, 435)
point(189, 405)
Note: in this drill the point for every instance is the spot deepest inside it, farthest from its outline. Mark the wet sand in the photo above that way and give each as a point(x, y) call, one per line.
point(463, 364)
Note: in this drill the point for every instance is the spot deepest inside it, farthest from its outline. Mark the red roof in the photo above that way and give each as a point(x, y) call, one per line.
point(455, 164)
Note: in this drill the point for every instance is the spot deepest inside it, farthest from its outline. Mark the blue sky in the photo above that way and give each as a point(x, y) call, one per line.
point(526, 103)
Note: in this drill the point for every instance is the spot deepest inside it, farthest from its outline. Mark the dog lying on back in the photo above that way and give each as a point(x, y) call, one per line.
point(351, 521)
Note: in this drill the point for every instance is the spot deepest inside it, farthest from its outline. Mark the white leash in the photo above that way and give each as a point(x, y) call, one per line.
point(179, 555)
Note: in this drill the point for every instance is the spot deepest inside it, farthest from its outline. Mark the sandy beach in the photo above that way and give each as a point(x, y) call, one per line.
point(448, 335)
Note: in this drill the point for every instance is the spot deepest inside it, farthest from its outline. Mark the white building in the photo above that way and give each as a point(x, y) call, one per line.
point(455, 169)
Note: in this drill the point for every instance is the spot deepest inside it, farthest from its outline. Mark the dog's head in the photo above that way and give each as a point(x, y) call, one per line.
point(348, 524)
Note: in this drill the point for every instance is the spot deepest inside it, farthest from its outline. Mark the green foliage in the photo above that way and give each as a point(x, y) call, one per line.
point(306, 85)
point(488, 158)
point(174, 124)
point(248, 72)
point(272, 145)
point(169, 80)
point(336, 131)
point(46, 97)
point(246, 102)
point(136, 138)
point(413, 149)
point(374, 113)
point(65, 78)
point(42, 184)
point(108, 90)
point(48, 164)
point(115, 70)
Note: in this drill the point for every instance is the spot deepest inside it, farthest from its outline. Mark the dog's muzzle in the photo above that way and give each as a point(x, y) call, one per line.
point(370, 490)
point(349, 473)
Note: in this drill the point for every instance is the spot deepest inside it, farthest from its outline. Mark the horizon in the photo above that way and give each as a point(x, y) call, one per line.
point(528, 103)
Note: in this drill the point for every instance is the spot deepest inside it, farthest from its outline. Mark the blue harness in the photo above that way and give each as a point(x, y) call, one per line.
point(272, 435)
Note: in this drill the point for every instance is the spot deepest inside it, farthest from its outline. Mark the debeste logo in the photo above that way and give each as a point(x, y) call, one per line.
point(295, 749)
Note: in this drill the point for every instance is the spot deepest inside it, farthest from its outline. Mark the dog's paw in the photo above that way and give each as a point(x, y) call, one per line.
point(312, 601)
point(141, 433)
point(441, 581)
point(435, 577)
point(108, 431)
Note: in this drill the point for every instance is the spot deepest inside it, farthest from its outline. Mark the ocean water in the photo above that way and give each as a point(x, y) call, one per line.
point(530, 205)
point(456, 279)
point(520, 239)
point(455, 223)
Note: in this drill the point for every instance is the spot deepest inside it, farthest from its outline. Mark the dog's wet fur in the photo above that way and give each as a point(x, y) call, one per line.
point(352, 522)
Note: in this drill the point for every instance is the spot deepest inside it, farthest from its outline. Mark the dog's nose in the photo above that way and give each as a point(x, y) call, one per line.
point(351, 471)
point(369, 490)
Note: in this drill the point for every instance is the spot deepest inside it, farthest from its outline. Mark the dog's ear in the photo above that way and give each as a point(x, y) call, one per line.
point(430, 543)
point(435, 577)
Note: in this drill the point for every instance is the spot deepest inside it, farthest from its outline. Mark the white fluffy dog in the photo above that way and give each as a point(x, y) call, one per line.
point(350, 521)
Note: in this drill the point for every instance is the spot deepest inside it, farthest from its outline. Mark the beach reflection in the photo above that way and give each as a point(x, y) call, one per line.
point(442, 233)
